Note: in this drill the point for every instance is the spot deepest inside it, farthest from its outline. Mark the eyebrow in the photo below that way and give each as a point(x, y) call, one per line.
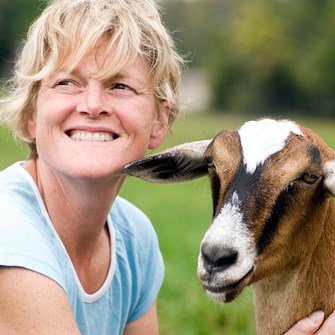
point(122, 75)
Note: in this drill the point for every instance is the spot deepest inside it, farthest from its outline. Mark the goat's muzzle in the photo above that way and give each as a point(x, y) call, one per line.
point(226, 265)
point(220, 273)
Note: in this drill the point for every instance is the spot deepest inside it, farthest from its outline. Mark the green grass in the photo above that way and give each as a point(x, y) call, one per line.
point(181, 214)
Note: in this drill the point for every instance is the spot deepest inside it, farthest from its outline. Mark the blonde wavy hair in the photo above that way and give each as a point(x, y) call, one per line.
point(68, 30)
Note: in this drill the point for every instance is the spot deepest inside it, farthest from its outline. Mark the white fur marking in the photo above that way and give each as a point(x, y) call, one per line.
point(329, 172)
point(229, 230)
point(261, 139)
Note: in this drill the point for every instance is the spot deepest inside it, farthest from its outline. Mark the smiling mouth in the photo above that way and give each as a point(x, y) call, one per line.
point(91, 136)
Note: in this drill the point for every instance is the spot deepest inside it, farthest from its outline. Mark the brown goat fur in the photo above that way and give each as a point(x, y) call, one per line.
point(273, 219)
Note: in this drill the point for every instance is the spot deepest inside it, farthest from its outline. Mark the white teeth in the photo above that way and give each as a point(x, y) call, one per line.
point(87, 136)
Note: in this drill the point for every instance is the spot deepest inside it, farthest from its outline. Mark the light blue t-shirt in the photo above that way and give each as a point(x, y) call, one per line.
point(29, 240)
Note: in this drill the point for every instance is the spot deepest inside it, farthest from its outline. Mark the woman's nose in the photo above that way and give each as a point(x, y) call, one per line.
point(95, 101)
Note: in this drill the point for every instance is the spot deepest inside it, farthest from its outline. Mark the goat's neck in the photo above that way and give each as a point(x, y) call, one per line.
point(293, 293)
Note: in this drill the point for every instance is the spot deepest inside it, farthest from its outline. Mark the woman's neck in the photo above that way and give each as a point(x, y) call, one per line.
point(78, 210)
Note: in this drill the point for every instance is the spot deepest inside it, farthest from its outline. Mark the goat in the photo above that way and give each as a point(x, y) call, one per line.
point(273, 222)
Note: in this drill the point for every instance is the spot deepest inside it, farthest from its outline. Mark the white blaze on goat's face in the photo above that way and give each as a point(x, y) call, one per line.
point(229, 232)
point(261, 139)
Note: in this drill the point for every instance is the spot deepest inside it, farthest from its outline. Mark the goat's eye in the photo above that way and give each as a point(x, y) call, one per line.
point(309, 178)
point(209, 162)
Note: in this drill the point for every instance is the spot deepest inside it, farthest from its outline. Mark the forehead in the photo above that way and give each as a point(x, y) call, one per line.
point(104, 67)
point(263, 138)
point(112, 59)
point(104, 61)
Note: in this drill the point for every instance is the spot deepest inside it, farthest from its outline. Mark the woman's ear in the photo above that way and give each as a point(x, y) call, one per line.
point(160, 126)
point(32, 126)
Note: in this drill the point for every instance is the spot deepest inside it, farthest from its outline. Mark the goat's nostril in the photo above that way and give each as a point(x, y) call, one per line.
point(218, 259)
point(226, 260)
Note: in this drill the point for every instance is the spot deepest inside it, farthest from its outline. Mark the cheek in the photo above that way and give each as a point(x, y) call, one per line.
point(49, 116)
point(140, 117)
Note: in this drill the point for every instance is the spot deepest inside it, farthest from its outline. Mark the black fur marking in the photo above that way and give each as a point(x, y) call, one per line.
point(167, 168)
point(283, 201)
point(178, 166)
point(272, 223)
point(315, 155)
point(244, 184)
point(216, 187)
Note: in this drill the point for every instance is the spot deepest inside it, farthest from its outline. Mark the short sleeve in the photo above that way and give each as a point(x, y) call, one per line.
point(24, 244)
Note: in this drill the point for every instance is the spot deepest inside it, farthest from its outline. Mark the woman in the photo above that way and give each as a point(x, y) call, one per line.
point(96, 85)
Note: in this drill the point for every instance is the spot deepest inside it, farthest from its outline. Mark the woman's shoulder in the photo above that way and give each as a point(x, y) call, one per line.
point(15, 181)
point(26, 238)
point(10, 173)
point(18, 194)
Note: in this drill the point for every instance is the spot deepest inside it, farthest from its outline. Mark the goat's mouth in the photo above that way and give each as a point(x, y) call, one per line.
point(227, 293)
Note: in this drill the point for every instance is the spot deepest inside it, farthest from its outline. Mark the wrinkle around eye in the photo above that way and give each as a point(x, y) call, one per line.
point(67, 86)
point(64, 82)
point(122, 90)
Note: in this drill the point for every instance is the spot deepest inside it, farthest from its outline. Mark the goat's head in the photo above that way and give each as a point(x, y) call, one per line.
point(268, 180)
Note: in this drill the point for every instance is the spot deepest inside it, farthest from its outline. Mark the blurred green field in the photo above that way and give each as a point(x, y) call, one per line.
point(181, 214)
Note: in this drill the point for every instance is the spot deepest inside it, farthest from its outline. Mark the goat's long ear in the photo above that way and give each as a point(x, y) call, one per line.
point(181, 163)
point(329, 175)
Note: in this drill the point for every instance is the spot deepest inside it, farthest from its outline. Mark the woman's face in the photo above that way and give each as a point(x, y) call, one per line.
point(90, 128)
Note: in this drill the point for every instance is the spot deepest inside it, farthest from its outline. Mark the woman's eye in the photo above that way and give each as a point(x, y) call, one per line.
point(67, 86)
point(120, 86)
point(64, 82)
point(122, 90)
